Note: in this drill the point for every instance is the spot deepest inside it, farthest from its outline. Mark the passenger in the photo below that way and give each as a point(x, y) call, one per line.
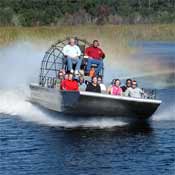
point(60, 79)
point(70, 84)
point(63, 71)
point(127, 85)
point(109, 88)
point(60, 75)
point(95, 56)
point(72, 53)
point(134, 91)
point(82, 84)
point(93, 86)
point(66, 76)
point(116, 89)
point(102, 86)
point(92, 72)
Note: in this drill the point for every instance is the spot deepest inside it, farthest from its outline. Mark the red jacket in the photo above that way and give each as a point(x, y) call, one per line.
point(69, 85)
point(94, 52)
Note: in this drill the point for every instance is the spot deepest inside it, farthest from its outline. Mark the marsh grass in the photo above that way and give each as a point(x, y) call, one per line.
point(114, 38)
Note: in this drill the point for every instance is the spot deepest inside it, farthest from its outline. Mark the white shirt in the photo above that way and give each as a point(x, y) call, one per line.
point(71, 51)
point(134, 92)
point(103, 87)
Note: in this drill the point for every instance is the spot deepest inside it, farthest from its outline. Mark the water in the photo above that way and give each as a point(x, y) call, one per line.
point(27, 148)
point(33, 142)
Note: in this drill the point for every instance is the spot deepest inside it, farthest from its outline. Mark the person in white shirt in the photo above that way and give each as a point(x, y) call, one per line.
point(72, 53)
point(134, 91)
point(102, 86)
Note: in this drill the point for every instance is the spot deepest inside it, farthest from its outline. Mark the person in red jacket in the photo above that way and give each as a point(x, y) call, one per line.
point(69, 84)
point(95, 56)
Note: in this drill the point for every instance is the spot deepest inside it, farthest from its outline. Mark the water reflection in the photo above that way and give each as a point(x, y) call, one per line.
point(79, 133)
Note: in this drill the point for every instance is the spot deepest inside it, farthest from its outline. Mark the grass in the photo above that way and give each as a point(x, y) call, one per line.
point(113, 38)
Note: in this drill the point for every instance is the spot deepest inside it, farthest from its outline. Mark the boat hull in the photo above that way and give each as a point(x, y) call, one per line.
point(93, 104)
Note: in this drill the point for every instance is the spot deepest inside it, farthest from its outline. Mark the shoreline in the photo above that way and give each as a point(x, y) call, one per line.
point(148, 32)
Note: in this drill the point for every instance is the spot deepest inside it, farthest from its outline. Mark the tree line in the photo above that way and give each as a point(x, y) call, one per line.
point(73, 12)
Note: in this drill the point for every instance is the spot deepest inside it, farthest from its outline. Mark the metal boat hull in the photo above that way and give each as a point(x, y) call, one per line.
point(93, 104)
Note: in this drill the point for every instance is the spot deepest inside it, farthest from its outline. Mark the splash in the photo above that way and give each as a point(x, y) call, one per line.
point(166, 112)
point(19, 64)
point(14, 103)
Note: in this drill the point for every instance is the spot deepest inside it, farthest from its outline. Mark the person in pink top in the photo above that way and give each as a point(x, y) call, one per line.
point(116, 89)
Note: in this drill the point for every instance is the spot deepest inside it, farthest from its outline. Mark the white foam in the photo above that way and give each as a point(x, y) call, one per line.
point(167, 113)
point(14, 103)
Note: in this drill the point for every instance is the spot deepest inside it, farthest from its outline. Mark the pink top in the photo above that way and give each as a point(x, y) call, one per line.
point(116, 90)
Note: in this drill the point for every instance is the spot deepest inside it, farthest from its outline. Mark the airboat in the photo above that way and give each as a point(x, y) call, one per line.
point(82, 103)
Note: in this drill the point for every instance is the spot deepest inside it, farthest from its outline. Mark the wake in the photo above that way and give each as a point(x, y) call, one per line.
point(14, 103)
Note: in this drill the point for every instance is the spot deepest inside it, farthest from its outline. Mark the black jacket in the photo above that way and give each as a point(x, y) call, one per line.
point(91, 88)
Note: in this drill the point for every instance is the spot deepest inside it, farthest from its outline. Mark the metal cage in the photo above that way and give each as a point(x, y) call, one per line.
point(54, 60)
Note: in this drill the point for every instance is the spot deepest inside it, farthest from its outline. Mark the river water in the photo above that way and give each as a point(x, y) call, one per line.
point(33, 141)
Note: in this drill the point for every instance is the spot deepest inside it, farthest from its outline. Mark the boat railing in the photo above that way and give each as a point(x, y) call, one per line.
point(51, 82)
point(149, 93)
